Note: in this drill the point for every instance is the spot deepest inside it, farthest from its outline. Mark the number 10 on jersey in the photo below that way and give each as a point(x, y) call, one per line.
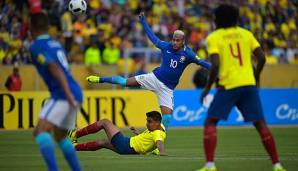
point(173, 63)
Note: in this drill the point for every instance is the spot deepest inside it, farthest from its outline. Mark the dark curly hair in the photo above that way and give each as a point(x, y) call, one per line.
point(226, 16)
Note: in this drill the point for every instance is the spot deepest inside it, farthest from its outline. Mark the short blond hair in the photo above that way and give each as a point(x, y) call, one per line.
point(179, 32)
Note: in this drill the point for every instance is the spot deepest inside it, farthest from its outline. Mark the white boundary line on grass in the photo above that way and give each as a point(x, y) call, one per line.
point(183, 128)
point(252, 158)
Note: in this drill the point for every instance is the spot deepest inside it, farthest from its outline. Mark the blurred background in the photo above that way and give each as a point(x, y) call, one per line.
point(109, 40)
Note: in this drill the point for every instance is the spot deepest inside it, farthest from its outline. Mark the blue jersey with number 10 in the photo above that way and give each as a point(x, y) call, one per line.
point(45, 50)
point(173, 62)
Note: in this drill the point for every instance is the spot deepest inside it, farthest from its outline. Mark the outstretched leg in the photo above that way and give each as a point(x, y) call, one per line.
point(95, 145)
point(125, 82)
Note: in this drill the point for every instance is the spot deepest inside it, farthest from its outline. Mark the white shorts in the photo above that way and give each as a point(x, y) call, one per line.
point(164, 94)
point(58, 113)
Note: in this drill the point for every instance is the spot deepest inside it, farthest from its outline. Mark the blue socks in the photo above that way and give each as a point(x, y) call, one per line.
point(166, 118)
point(47, 149)
point(113, 80)
point(70, 154)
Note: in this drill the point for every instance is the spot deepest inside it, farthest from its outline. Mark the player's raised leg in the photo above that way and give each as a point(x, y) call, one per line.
point(110, 130)
point(269, 144)
point(125, 82)
point(67, 148)
point(105, 124)
point(45, 142)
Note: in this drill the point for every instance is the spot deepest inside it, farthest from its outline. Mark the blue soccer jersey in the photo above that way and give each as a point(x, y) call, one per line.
point(45, 50)
point(173, 62)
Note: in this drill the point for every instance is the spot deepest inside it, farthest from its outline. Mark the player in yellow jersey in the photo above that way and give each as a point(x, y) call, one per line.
point(230, 49)
point(153, 137)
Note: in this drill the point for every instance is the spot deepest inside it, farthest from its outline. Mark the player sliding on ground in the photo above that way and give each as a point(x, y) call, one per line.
point(230, 49)
point(176, 56)
point(153, 137)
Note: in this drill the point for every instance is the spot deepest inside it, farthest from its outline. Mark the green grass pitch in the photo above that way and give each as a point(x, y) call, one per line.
point(238, 149)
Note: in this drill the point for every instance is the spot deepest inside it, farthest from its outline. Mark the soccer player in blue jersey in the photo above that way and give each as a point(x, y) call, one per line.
point(176, 56)
point(59, 113)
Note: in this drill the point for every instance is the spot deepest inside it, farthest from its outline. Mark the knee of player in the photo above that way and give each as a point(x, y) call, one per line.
point(104, 121)
point(35, 132)
point(166, 110)
point(211, 121)
point(260, 125)
point(38, 131)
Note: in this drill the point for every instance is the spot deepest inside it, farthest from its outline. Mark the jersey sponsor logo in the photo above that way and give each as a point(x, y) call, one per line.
point(182, 59)
point(41, 59)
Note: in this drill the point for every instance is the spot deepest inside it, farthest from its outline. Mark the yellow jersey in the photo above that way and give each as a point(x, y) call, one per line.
point(146, 141)
point(234, 45)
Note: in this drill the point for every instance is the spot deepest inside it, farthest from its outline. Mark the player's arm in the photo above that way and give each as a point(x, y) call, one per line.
point(197, 60)
point(261, 60)
point(202, 63)
point(59, 76)
point(214, 58)
point(259, 56)
point(213, 52)
point(153, 38)
point(161, 147)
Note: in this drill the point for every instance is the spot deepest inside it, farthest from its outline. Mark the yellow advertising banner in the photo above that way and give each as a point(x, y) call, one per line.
point(20, 110)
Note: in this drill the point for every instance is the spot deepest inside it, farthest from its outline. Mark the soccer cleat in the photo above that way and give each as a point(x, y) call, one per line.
point(72, 136)
point(208, 169)
point(74, 144)
point(93, 79)
point(279, 169)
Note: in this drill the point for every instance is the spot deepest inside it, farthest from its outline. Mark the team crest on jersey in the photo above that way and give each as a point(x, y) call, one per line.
point(41, 59)
point(182, 59)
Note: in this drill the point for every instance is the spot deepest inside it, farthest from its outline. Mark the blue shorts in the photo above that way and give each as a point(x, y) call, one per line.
point(245, 98)
point(122, 144)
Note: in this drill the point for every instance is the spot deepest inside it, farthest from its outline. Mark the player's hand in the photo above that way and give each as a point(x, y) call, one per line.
point(204, 94)
point(72, 103)
point(155, 152)
point(141, 15)
point(92, 79)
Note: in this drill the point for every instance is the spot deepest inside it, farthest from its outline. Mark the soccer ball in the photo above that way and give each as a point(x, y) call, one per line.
point(77, 7)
